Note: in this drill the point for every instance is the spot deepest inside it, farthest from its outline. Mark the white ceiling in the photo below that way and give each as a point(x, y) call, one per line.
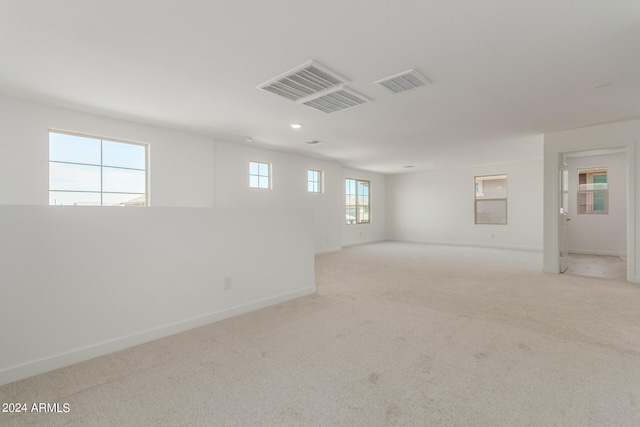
point(502, 71)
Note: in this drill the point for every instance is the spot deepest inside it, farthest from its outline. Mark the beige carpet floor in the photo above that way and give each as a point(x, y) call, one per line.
point(398, 334)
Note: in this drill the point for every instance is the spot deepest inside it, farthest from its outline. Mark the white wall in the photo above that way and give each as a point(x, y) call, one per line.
point(599, 234)
point(184, 170)
point(289, 189)
point(79, 282)
point(623, 135)
point(438, 207)
point(181, 164)
point(376, 229)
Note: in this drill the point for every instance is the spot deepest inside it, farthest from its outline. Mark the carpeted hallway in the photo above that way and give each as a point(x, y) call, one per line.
point(398, 334)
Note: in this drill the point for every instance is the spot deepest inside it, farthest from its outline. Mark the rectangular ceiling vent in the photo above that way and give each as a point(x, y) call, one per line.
point(341, 99)
point(306, 80)
point(403, 82)
point(315, 86)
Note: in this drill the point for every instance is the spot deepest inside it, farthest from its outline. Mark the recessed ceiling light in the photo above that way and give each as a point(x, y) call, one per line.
point(296, 125)
point(313, 142)
point(248, 139)
point(408, 166)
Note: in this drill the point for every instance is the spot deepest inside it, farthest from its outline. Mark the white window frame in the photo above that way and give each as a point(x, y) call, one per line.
point(317, 184)
point(355, 198)
point(589, 189)
point(259, 175)
point(480, 199)
point(102, 167)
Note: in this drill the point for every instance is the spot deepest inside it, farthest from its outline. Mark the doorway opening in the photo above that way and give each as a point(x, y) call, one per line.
point(593, 213)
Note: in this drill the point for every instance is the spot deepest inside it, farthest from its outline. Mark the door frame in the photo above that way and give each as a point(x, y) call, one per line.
point(563, 217)
point(553, 263)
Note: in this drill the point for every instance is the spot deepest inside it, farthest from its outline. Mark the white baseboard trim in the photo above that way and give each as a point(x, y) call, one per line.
point(328, 251)
point(364, 242)
point(596, 252)
point(46, 364)
point(470, 245)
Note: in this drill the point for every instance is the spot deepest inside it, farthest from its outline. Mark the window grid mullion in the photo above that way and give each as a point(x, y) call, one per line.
point(354, 199)
point(102, 167)
point(101, 174)
point(357, 204)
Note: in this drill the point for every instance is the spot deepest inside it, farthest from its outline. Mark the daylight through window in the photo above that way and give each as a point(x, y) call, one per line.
point(93, 171)
point(357, 201)
point(259, 175)
point(491, 199)
point(593, 191)
point(314, 181)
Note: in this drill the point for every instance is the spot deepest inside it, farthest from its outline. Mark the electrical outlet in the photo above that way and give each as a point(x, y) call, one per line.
point(227, 283)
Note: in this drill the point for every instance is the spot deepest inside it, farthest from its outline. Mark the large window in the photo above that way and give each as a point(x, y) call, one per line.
point(259, 175)
point(314, 181)
point(92, 171)
point(491, 199)
point(357, 201)
point(593, 191)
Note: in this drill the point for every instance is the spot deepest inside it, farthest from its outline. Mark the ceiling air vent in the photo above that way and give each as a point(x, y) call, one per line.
point(303, 81)
point(338, 100)
point(315, 86)
point(403, 81)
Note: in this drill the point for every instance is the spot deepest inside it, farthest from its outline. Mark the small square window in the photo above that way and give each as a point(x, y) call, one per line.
point(314, 181)
point(259, 175)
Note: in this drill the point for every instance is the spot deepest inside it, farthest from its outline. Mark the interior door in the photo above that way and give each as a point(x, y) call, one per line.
point(564, 219)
